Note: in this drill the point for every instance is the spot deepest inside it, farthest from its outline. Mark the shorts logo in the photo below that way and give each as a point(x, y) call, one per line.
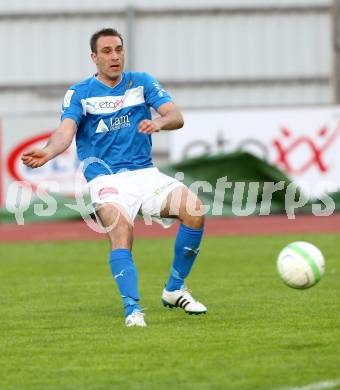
point(159, 190)
point(105, 192)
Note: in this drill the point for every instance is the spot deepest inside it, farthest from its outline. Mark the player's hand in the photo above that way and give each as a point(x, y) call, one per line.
point(35, 158)
point(148, 127)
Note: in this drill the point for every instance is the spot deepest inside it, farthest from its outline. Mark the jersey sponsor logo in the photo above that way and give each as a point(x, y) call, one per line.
point(116, 123)
point(106, 192)
point(119, 123)
point(102, 128)
point(110, 104)
point(68, 97)
point(98, 105)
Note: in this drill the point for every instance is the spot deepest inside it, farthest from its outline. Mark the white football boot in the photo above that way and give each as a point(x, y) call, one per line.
point(136, 318)
point(183, 299)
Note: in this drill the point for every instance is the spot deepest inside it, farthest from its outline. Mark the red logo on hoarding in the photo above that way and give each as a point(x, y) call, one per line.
point(17, 152)
point(61, 170)
point(317, 152)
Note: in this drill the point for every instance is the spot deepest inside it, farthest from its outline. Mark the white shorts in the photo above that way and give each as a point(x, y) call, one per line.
point(142, 189)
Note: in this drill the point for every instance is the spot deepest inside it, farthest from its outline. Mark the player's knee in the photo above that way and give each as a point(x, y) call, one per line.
point(195, 222)
point(121, 236)
point(113, 216)
point(121, 227)
point(194, 214)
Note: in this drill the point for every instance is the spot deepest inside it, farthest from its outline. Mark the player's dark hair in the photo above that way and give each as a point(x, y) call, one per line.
point(104, 32)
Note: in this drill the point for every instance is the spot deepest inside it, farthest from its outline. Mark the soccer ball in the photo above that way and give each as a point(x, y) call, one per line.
point(300, 264)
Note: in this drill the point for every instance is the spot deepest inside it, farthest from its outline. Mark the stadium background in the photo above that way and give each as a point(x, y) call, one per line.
point(243, 62)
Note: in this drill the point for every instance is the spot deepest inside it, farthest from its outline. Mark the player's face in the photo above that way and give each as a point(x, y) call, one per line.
point(109, 58)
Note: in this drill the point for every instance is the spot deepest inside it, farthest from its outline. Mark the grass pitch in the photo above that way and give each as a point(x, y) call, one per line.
point(62, 323)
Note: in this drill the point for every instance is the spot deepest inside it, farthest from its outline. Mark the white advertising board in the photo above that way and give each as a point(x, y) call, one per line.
point(302, 142)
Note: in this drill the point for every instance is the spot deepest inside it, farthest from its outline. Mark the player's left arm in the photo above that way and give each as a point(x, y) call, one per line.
point(170, 119)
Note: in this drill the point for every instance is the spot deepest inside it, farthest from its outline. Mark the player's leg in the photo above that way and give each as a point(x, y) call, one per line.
point(120, 234)
point(118, 227)
point(183, 204)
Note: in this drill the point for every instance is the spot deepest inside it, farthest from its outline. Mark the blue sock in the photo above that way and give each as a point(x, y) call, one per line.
point(124, 272)
point(186, 250)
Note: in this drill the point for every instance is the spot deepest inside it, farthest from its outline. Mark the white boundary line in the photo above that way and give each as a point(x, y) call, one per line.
point(330, 384)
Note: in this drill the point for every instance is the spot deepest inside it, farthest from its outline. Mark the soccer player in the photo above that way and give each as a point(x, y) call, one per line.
point(109, 114)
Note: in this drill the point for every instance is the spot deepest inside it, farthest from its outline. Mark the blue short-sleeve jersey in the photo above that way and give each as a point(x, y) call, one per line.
point(107, 118)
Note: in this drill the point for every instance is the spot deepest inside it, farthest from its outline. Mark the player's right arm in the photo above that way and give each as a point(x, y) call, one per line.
point(71, 115)
point(59, 141)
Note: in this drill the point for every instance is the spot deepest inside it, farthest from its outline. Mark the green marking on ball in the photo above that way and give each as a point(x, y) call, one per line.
point(309, 259)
